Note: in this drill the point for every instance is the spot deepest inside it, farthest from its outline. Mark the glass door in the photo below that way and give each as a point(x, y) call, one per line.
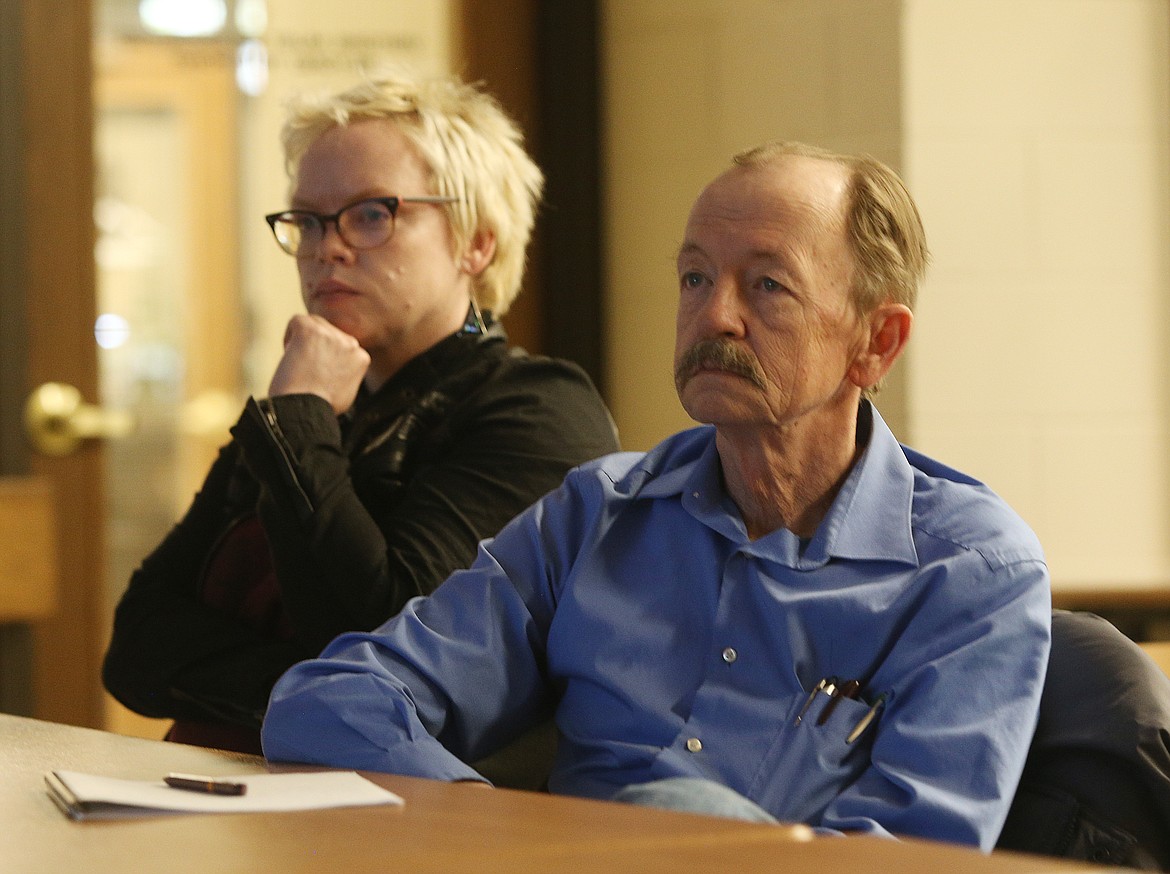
point(169, 322)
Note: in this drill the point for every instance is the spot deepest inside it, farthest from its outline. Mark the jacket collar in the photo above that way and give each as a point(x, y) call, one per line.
point(421, 373)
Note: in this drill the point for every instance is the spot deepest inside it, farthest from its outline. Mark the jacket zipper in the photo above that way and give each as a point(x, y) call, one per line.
point(274, 431)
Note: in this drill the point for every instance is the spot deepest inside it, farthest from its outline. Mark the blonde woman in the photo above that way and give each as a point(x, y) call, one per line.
point(399, 428)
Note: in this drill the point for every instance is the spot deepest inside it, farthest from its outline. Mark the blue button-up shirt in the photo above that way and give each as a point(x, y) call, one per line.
point(632, 604)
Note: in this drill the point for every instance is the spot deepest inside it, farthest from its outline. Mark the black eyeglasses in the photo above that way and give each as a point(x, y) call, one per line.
point(362, 225)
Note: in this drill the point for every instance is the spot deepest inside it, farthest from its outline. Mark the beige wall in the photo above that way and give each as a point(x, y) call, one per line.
point(1034, 134)
point(686, 90)
point(1037, 142)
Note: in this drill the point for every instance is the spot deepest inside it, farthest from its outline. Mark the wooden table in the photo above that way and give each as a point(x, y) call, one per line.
point(442, 828)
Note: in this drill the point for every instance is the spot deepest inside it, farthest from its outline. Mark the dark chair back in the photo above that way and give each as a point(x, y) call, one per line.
point(1097, 781)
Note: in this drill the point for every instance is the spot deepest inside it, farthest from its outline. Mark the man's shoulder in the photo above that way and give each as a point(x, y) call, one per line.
point(628, 473)
point(953, 507)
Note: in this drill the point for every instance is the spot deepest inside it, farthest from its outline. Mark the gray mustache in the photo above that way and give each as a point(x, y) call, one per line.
point(721, 355)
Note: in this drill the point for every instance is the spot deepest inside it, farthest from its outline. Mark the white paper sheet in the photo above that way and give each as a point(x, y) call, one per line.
point(86, 796)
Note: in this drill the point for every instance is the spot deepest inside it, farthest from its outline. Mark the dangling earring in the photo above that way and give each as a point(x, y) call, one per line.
point(477, 326)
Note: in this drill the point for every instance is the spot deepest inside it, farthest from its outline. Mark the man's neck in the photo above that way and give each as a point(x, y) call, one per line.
point(788, 477)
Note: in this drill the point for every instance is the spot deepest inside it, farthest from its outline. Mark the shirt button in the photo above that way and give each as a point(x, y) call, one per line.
point(694, 744)
point(730, 655)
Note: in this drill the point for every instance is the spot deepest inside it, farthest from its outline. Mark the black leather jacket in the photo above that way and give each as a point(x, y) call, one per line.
point(360, 513)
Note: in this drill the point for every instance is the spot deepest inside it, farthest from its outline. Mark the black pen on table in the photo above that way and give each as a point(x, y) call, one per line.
point(206, 785)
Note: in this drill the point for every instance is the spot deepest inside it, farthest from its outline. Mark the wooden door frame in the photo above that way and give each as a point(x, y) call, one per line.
point(541, 60)
point(48, 281)
point(191, 83)
point(194, 83)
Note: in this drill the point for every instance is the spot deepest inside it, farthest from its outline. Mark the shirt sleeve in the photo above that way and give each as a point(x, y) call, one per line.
point(963, 683)
point(453, 677)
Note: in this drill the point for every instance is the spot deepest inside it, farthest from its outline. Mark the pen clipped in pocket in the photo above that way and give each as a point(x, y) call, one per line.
point(811, 755)
point(828, 695)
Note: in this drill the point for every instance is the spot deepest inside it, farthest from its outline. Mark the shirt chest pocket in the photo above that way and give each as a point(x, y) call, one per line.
point(820, 747)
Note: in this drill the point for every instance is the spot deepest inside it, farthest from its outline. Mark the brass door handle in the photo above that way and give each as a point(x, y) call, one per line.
point(57, 421)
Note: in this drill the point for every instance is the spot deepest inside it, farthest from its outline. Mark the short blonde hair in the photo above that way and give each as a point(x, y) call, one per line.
point(884, 228)
point(471, 148)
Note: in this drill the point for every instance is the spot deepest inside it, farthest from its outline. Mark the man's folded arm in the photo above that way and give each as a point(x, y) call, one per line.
point(346, 710)
point(453, 677)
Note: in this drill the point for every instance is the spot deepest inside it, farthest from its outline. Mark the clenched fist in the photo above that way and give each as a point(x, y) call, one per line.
point(322, 360)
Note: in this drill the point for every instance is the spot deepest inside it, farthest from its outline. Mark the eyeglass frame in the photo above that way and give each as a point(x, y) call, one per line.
point(391, 203)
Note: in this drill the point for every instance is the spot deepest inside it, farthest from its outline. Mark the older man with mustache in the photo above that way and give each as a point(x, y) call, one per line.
point(783, 614)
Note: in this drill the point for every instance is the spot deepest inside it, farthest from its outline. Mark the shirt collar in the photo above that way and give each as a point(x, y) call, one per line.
point(870, 519)
point(871, 515)
point(435, 363)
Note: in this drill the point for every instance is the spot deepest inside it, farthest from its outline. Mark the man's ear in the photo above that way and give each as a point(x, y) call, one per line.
point(479, 253)
point(889, 327)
